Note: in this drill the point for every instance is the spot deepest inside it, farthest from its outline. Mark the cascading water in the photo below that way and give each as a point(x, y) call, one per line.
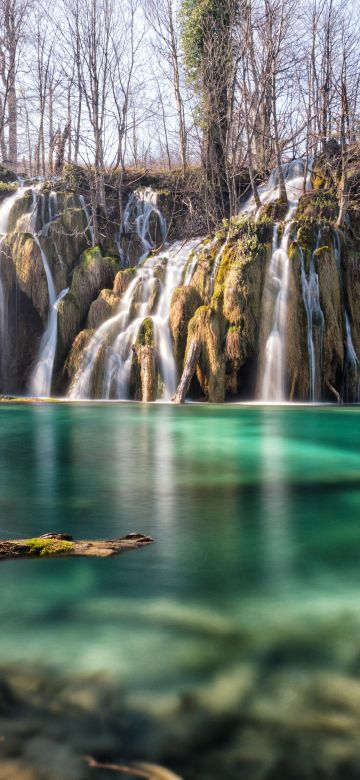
point(294, 173)
point(148, 295)
point(276, 286)
point(273, 385)
point(5, 210)
point(315, 320)
point(140, 210)
point(40, 381)
point(352, 364)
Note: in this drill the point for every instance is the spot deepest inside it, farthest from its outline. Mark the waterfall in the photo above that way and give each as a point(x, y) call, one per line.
point(273, 385)
point(352, 364)
point(215, 269)
point(5, 209)
point(88, 218)
point(114, 339)
point(314, 317)
point(139, 211)
point(40, 381)
point(276, 286)
point(6, 206)
point(294, 172)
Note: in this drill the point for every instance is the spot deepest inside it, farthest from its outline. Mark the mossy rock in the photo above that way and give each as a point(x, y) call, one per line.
point(7, 176)
point(75, 177)
point(205, 328)
point(93, 273)
point(145, 336)
point(102, 308)
point(275, 211)
point(7, 189)
point(122, 280)
point(29, 270)
point(184, 303)
point(74, 359)
point(332, 307)
point(22, 206)
point(318, 207)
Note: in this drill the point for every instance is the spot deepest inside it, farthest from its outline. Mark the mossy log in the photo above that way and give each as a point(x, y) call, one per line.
point(191, 361)
point(62, 545)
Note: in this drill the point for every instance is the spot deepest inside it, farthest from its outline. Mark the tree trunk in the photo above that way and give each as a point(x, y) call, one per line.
point(188, 372)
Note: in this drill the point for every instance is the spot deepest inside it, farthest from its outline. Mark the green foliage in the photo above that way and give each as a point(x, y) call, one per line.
point(198, 20)
point(44, 547)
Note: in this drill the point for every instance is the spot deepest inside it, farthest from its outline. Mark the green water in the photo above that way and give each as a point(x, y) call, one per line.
point(233, 642)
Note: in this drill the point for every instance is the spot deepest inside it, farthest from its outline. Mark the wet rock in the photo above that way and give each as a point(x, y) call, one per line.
point(123, 279)
point(93, 273)
point(183, 305)
point(102, 308)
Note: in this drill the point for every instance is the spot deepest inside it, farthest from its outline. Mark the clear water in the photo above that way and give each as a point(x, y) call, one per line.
point(233, 642)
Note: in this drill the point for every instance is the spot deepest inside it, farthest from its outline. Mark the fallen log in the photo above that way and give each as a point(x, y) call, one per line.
point(63, 545)
point(191, 361)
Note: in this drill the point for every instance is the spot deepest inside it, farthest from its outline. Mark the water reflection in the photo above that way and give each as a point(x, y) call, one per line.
point(279, 542)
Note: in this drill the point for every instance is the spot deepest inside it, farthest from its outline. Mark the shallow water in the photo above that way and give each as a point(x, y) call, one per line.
point(233, 642)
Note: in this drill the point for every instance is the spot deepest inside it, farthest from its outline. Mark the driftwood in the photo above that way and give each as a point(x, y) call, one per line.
point(62, 545)
point(188, 372)
point(334, 392)
point(145, 771)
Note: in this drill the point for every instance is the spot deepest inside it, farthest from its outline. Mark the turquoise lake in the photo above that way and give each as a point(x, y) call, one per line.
point(231, 646)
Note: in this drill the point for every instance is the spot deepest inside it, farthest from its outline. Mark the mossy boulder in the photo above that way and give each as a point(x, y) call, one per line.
point(74, 359)
point(331, 304)
point(318, 207)
point(27, 267)
point(184, 303)
point(75, 177)
point(205, 328)
point(102, 308)
point(93, 273)
point(7, 176)
point(20, 213)
point(6, 189)
point(351, 280)
point(143, 379)
point(122, 280)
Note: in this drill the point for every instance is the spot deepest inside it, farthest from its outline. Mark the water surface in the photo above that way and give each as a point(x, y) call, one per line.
point(230, 647)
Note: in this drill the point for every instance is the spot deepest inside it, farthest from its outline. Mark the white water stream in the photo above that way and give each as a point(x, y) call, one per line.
point(352, 365)
point(118, 334)
point(272, 385)
point(314, 317)
point(41, 377)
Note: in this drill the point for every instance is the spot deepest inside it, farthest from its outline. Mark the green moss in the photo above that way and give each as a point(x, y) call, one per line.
point(7, 187)
point(321, 251)
point(44, 547)
point(320, 207)
point(145, 336)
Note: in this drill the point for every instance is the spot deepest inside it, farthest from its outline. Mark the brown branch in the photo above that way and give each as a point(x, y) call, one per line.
point(117, 768)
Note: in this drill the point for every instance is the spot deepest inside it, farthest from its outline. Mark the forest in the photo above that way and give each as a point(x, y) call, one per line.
point(218, 92)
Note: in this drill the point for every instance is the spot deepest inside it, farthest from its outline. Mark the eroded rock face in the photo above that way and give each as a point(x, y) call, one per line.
point(184, 302)
point(91, 275)
point(205, 329)
point(102, 308)
point(224, 306)
point(144, 378)
point(75, 357)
